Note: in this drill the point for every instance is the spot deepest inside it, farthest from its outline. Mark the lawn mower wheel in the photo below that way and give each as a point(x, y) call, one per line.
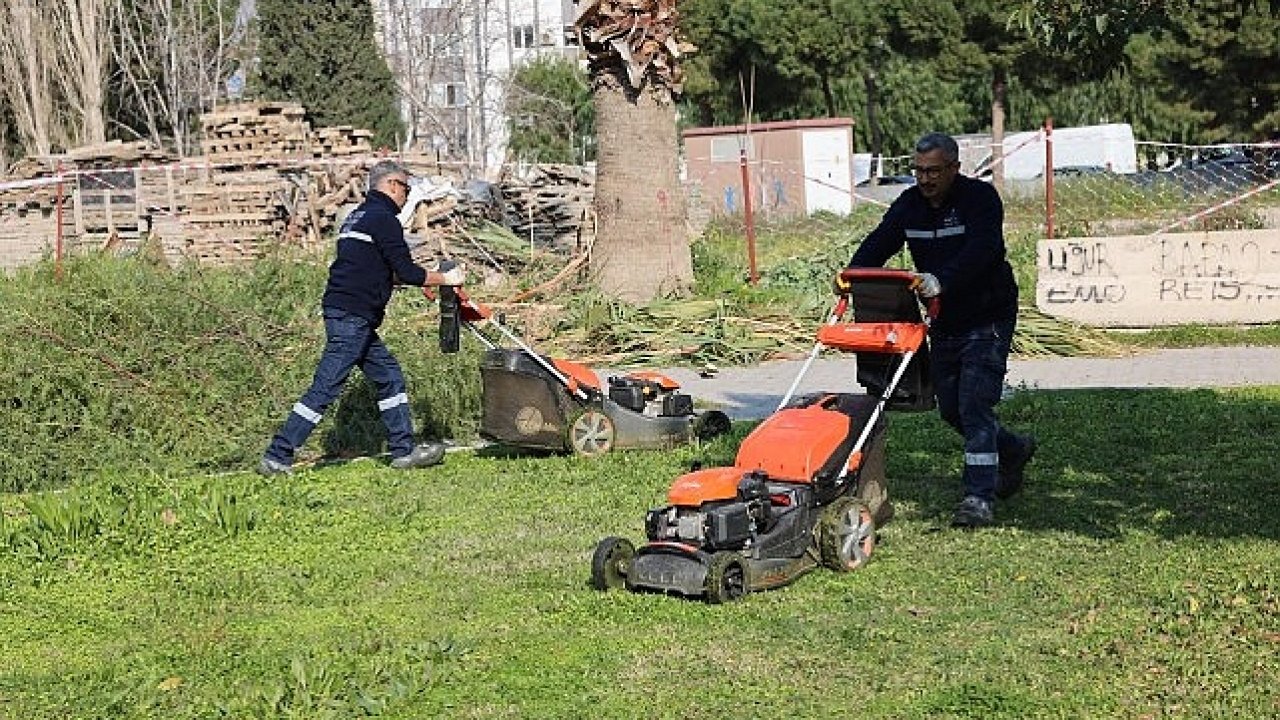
point(611, 563)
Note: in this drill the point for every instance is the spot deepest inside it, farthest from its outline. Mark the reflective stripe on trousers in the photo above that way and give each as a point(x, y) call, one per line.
point(350, 342)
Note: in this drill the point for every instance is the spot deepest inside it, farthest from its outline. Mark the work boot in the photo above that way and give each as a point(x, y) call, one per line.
point(1012, 471)
point(273, 468)
point(973, 512)
point(421, 456)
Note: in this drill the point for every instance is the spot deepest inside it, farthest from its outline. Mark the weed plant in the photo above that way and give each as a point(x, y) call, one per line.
point(127, 365)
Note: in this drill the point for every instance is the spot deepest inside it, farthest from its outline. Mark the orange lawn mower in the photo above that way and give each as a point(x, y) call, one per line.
point(807, 486)
point(533, 401)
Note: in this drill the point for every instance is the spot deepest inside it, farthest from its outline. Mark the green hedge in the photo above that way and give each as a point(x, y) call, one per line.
point(125, 364)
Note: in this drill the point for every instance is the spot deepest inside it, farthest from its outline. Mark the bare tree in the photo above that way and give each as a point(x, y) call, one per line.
point(82, 29)
point(26, 72)
point(426, 45)
point(642, 247)
point(452, 63)
point(171, 57)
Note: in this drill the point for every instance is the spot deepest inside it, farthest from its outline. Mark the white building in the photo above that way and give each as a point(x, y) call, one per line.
point(453, 61)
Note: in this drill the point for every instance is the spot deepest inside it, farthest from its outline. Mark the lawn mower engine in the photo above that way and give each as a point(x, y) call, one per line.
point(649, 394)
point(764, 530)
point(725, 525)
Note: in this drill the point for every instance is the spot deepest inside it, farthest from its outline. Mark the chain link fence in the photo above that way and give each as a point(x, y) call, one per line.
point(234, 213)
point(1173, 188)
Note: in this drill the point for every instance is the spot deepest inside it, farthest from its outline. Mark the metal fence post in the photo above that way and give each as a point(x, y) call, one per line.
point(1048, 178)
point(748, 217)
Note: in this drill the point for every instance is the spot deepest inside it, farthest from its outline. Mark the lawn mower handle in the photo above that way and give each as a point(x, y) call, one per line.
point(852, 275)
point(471, 313)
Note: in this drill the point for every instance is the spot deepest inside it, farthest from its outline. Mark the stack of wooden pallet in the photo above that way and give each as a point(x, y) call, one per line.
point(256, 133)
point(113, 153)
point(28, 224)
point(100, 202)
point(550, 204)
point(226, 217)
point(340, 140)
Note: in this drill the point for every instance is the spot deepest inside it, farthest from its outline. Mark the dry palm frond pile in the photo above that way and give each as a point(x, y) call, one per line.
point(638, 35)
point(1040, 335)
point(553, 305)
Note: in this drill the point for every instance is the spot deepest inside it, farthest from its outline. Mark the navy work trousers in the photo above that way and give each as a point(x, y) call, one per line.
point(968, 379)
point(350, 341)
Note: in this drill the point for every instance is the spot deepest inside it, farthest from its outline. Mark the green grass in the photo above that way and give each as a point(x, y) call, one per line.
point(1200, 336)
point(125, 365)
point(1138, 576)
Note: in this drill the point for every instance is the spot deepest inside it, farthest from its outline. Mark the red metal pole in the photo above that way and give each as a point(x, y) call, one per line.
point(1048, 178)
point(748, 217)
point(57, 251)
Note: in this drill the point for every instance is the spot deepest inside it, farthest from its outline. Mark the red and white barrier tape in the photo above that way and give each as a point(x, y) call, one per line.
point(205, 164)
point(1210, 210)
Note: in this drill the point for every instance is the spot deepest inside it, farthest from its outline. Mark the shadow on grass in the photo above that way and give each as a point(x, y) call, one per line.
point(508, 452)
point(357, 429)
point(1171, 463)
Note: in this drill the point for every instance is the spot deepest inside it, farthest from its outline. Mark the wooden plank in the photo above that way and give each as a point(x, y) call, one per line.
point(230, 217)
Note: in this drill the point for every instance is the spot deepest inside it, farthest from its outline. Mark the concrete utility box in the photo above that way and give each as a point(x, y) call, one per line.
point(797, 167)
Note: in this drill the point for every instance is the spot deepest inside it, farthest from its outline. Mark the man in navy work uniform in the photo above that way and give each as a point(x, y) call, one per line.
point(371, 257)
point(953, 227)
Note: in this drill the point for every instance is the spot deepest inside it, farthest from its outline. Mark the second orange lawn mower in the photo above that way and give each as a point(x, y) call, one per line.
point(534, 401)
point(807, 486)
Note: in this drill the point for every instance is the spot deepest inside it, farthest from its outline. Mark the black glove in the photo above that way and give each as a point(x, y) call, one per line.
point(450, 320)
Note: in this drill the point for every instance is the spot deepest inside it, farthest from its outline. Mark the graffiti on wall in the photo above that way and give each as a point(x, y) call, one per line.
point(1169, 279)
point(769, 195)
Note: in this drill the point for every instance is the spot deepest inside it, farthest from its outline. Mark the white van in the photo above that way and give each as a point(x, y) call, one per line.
point(1078, 150)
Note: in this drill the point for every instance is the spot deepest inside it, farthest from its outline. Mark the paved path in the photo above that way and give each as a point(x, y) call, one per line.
point(747, 393)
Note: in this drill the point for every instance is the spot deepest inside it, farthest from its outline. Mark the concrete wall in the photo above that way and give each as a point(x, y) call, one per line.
point(775, 159)
point(1170, 279)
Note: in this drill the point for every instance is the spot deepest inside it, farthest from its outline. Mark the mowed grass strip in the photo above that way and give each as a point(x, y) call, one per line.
point(1138, 575)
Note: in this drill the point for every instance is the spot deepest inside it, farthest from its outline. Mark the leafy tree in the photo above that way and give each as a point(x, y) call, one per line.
point(1176, 70)
point(1194, 72)
point(780, 60)
point(1222, 59)
point(322, 53)
point(898, 67)
point(734, 69)
point(549, 112)
point(1093, 32)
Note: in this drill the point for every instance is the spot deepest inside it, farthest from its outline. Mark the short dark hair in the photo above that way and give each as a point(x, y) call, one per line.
point(939, 141)
point(384, 168)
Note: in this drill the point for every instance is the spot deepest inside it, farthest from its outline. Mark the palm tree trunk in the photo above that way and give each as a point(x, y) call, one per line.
point(642, 248)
